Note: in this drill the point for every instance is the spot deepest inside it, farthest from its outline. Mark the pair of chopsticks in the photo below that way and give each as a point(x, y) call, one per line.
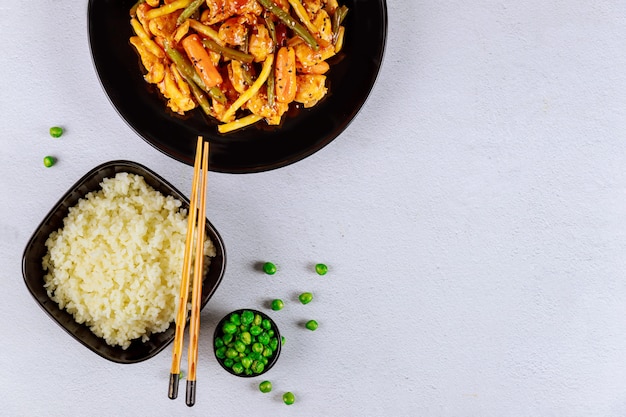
point(196, 213)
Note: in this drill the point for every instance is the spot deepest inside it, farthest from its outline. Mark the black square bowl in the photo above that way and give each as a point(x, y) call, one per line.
point(33, 272)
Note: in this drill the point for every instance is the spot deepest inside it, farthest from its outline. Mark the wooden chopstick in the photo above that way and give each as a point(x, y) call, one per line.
point(181, 315)
point(196, 291)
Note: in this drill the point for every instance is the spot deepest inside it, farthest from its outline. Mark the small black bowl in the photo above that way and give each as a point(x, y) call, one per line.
point(33, 272)
point(271, 360)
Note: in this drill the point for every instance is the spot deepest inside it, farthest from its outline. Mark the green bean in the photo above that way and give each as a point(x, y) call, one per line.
point(191, 76)
point(227, 52)
point(271, 89)
point(271, 28)
point(188, 11)
point(337, 20)
point(290, 22)
point(187, 70)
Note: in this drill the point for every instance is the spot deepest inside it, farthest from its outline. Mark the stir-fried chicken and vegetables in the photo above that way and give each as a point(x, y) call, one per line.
point(240, 61)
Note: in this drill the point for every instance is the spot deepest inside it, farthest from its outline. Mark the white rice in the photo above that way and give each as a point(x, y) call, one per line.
point(116, 263)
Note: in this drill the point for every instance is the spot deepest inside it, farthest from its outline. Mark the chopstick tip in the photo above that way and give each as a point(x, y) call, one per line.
point(190, 398)
point(172, 392)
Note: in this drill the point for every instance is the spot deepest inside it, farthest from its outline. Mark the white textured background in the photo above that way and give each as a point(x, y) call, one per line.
point(473, 218)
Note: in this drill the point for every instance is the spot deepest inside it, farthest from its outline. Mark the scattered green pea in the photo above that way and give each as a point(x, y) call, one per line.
point(289, 398)
point(311, 325)
point(181, 375)
point(269, 268)
point(265, 386)
point(48, 161)
point(277, 304)
point(321, 269)
point(282, 340)
point(56, 131)
point(305, 297)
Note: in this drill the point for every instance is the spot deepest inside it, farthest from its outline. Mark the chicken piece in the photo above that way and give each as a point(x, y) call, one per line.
point(261, 44)
point(220, 10)
point(152, 63)
point(234, 31)
point(311, 89)
point(259, 105)
point(178, 101)
point(164, 26)
point(312, 6)
point(308, 57)
point(237, 77)
point(324, 26)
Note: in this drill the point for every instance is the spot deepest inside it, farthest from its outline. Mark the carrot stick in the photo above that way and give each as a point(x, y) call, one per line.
point(285, 75)
point(201, 60)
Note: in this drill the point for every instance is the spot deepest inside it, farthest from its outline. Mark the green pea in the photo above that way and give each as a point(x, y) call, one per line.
point(267, 352)
point(277, 305)
point(56, 131)
point(282, 340)
point(263, 360)
point(289, 398)
point(305, 297)
point(221, 352)
point(311, 325)
point(227, 338)
point(48, 161)
point(237, 368)
point(270, 332)
point(246, 338)
point(181, 375)
point(269, 268)
point(244, 327)
point(255, 356)
point(274, 343)
point(228, 362)
point(257, 347)
point(248, 371)
point(256, 330)
point(246, 362)
point(247, 317)
point(235, 319)
point(219, 343)
point(264, 338)
point(257, 320)
point(231, 353)
point(265, 387)
point(321, 269)
point(229, 328)
point(266, 324)
point(257, 367)
point(240, 346)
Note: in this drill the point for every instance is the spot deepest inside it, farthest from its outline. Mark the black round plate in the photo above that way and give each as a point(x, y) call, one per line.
point(256, 148)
